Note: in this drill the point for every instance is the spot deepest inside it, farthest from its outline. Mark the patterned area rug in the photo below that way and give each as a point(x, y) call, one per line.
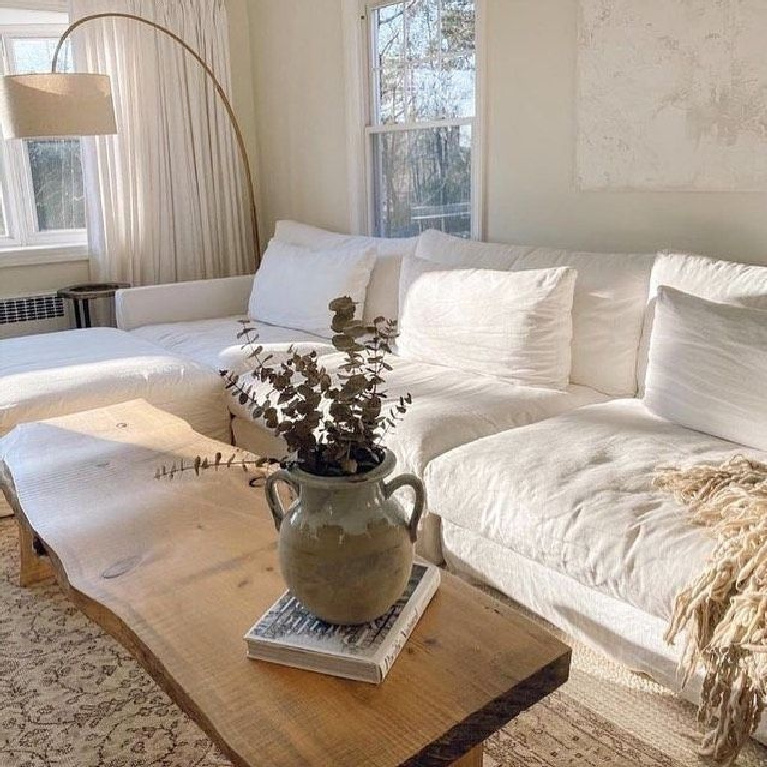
point(70, 696)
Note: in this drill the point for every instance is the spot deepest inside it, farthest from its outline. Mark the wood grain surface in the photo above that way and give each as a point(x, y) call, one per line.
point(178, 571)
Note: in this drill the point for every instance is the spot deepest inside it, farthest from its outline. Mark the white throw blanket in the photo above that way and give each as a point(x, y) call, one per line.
point(724, 609)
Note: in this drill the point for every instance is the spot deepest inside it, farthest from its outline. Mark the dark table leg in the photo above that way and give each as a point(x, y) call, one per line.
point(87, 313)
point(78, 317)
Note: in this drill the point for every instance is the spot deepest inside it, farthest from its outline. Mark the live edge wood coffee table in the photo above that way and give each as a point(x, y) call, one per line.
point(178, 570)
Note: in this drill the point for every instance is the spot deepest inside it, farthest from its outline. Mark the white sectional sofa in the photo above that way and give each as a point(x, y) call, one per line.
point(542, 492)
point(450, 408)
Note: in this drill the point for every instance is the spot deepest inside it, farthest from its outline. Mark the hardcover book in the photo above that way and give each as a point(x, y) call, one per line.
point(290, 635)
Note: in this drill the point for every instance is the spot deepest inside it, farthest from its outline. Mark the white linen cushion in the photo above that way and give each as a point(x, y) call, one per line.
point(438, 251)
point(516, 326)
point(608, 313)
point(294, 285)
point(214, 342)
point(715, 280)
point(460, 253)
point(708, 367)
point(383, 290)
point(575, 493)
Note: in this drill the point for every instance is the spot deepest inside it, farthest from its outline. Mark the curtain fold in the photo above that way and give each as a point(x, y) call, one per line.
point(167, 199)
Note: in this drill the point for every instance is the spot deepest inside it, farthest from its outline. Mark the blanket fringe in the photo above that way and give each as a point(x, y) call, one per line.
point(724, 609)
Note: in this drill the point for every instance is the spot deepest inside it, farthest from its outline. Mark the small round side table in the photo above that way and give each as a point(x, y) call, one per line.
point(80, 295)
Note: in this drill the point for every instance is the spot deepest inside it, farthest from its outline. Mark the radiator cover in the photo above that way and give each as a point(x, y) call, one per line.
point(30, 309)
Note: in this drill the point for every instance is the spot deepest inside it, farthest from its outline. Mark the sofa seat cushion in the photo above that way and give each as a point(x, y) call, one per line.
point(214, 343)
point(54, 374)
point(451, 408)
point(575, 494)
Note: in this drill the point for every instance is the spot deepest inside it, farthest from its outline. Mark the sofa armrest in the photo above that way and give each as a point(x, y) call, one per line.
point(182, 302)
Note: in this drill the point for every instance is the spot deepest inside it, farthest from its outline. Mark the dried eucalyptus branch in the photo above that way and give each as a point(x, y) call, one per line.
point(200, 464)
point(331, 427)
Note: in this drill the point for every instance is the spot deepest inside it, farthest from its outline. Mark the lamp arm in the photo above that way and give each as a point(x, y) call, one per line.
point(211, 75)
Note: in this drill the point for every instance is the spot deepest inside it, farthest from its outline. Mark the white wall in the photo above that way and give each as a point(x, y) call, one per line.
point(242, 94)
point(297, 49)
point(298, 59)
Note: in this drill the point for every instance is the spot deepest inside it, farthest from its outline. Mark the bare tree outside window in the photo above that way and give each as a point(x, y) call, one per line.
point(423, 85)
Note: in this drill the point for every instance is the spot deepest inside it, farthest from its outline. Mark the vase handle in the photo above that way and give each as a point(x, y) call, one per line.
point(273, 498)
point(409, 480)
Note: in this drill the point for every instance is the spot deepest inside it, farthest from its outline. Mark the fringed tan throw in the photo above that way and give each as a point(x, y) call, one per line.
point(724, 610)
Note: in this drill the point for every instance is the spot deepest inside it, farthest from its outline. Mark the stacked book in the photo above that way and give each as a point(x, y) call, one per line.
point(290, 635)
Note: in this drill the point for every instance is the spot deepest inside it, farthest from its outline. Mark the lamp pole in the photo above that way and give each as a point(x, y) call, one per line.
point(216, 83)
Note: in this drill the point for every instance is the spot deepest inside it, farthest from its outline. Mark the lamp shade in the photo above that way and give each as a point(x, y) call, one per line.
point(56, 105)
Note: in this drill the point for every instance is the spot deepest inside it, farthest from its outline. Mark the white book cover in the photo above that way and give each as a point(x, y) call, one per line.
point(290, 635)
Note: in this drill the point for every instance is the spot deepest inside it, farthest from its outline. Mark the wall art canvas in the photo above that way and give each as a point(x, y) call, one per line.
point(672, 95)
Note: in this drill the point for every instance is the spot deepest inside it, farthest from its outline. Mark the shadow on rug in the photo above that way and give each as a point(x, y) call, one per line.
point(70, 696)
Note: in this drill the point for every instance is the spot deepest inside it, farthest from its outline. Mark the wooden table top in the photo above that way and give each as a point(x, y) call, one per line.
point(178, 570)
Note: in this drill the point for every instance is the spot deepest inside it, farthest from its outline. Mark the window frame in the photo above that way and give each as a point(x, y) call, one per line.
point(364, 124)
point(19, 209)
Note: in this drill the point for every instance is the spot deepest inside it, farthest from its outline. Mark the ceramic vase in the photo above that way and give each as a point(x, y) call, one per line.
point(345, 543)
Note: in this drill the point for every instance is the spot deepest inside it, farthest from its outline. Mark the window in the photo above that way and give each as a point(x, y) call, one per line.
point(422, 129)
point(42, 200)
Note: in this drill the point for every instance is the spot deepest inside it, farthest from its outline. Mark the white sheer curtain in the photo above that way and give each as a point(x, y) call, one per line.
point(166, 197)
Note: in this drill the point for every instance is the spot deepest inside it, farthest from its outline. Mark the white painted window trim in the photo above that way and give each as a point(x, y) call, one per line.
point(40, 255)
point(60, 6)
point(360, 127)
point(16, 178)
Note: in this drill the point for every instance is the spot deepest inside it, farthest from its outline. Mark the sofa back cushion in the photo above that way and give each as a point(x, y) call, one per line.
point(608, 312)
point(460, 253)
point(512, 326)
point(383, 290)
point(440, 252)
point(707, 367)
point(294, 285)
point(716, 280)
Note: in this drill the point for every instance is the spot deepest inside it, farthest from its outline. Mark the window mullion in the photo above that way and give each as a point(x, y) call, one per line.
point(451, 122)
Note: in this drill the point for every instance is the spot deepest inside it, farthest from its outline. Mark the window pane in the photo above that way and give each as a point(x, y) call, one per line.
point(423, 181)
point(458, 26)
point(424, 62)
point(445, 92)
point(422, 28)
point(57, 183)
point(35, 55)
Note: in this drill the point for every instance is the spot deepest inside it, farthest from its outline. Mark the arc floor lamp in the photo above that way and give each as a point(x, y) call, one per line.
point(59, 104)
